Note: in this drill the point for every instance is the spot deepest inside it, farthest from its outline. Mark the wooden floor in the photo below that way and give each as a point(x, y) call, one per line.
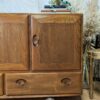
point(85, 95)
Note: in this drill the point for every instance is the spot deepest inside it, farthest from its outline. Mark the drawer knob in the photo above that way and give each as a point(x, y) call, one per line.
point(21, 82)
point(35, 40)
point(66, 81)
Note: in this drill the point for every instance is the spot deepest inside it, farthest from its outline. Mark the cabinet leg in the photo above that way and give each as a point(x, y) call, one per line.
point(91, 77)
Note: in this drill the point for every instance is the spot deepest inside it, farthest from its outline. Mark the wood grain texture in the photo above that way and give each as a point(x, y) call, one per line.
point(1, 84)
point(14, 53)
point(55, 49)
point(59, 42)
point(43, 83)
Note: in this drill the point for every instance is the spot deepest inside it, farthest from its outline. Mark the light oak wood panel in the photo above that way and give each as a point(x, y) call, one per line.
point(56, 42)
point(1, 84)
point(14, 53)
point(60, 83)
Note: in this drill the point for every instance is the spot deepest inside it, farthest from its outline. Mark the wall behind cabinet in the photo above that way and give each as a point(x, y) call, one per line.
point(21, 6)
point(34, 6)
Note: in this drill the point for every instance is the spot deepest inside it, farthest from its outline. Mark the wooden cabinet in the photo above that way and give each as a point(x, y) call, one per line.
point(1, 84)
point(40, 55)
point(14, 46)
point(56, 42)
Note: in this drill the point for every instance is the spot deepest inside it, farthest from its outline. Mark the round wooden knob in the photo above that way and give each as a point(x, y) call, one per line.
point(21, 82)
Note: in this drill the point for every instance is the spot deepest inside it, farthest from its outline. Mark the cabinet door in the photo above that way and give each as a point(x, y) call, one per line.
point(56, 42)
point(14, 42)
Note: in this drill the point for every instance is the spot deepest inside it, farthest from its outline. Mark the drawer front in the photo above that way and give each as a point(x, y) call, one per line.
point(43, 83)
point(1, 84)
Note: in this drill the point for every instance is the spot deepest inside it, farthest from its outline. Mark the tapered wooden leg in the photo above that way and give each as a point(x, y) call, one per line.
point(91, 77)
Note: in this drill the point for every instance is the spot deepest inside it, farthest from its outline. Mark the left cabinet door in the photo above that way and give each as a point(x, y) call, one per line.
point(14, 53)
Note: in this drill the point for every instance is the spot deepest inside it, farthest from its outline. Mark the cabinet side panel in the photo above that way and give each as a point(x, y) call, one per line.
point(1, 84)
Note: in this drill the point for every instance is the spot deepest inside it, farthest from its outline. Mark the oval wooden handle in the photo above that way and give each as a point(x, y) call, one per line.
point(35, 40)
point(21, 82)
point(66, 81)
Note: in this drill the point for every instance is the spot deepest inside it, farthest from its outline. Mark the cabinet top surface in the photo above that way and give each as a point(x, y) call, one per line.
point(42, 13)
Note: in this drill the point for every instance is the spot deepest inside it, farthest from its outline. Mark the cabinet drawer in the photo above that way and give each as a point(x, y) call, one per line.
point(1, 84)
point(43, 83)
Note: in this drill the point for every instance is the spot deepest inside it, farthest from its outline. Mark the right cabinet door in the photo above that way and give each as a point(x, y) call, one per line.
point(56, 42)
